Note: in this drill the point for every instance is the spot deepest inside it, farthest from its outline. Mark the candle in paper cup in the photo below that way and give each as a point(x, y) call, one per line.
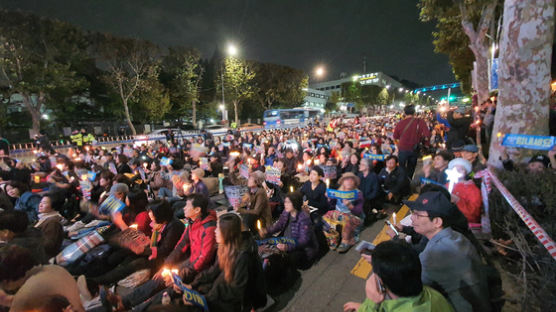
point(299, 166)
point(317, 162)
point(145, 165)
point(165, 272)
point(327, 183)
point(291, 188)
point(60, 167)
point(37, 178)
point(133, 226)
point(394, 218)
point(259, 224)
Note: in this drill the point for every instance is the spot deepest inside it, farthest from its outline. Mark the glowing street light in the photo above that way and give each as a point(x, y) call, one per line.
point(319, 71)
point(232, 50)
point(387, 86)
point(400, 89)
point(221, 107)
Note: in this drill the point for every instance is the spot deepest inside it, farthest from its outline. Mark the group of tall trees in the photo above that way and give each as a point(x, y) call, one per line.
point(520, 33)
point(53, 66)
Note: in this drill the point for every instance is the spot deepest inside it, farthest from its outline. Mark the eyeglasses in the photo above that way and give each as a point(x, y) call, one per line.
point(417, 215)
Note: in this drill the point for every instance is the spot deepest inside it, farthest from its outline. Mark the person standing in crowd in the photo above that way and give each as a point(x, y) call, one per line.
point(410, 132)
point(395, 283)
point(459, 126)
point(459, 274)
point(77, 139)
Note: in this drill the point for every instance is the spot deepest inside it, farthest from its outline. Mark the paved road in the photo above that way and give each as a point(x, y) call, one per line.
point(328, 284)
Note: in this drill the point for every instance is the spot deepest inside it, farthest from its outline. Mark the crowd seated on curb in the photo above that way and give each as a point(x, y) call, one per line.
point(231, 217)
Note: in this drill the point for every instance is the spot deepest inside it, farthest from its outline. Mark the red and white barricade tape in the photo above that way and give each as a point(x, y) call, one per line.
point(539, 232)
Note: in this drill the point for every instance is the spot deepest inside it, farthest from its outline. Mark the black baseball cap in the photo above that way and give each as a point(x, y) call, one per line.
point(542, 159)
point(435, 203)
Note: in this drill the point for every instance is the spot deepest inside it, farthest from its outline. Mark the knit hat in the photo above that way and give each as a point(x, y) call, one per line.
point(460, 162)
point(540, 158)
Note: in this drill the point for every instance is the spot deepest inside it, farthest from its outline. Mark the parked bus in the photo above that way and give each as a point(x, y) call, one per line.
point(290, 118)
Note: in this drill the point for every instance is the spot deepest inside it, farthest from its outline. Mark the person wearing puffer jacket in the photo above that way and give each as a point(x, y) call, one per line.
point(295, 223)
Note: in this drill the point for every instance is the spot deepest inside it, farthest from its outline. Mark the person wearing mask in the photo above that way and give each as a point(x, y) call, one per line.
point(254, 206)
point(409, 132)
point(314, 191)
point(459, 274)
point(50, 223)
point(348, 215)
point(395, 283)
point(295, 223)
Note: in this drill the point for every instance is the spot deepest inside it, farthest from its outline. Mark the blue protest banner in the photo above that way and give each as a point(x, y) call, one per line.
point(374, 156)
point(277, 240)
point(349, 195)
point(429, 181)
point(110, 206)
point(165, 161)
point(189, 294)
point(536, 142)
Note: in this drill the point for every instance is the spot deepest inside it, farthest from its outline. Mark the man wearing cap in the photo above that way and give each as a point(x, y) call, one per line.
point(409, 132)
point(450, 263)
point(470, 153)
point(459, 125)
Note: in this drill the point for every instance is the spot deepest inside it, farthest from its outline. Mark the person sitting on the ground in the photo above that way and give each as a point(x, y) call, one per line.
point(198, 186)
point(465, 194)
point(255, 202)
point(198, 239)
point(314, 190)
point(450, 262)
point(50, 224)
point(14, 230)
point(369, 184)
point(348, 214)
point(295, 223)
point(33, 284)
point(25, 200)
point(393, 181)
point(395, 283)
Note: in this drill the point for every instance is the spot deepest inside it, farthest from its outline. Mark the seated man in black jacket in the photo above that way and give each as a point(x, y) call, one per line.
point(393, 181)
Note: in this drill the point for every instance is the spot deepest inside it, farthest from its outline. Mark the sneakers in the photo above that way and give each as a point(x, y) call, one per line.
point(343, 248)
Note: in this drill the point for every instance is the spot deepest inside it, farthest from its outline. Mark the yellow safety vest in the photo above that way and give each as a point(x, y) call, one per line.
point(77, 139)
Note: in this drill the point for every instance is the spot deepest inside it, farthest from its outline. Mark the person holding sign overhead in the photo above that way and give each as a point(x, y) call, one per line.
point(347, 216)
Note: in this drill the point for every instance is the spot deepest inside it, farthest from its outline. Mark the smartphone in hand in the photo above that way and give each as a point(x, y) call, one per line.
point(365, 247)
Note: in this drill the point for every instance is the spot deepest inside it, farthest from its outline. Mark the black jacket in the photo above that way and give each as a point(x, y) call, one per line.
point(395, 182)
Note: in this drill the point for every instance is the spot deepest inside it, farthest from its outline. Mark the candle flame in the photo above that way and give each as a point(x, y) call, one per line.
point(259, 224)
point(299, 166)
point(327, 183)
point(133, 226)
point(291, 189)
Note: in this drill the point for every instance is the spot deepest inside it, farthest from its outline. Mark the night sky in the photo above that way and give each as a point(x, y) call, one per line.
point(298, 33)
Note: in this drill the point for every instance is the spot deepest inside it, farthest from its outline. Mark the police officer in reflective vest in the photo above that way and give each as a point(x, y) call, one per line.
point(76, 138)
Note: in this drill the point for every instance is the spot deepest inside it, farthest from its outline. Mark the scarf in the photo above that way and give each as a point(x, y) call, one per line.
point(44, 216)
point(155, 238)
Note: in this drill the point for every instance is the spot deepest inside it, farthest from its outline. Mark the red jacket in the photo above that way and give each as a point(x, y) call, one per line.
point(199, 236)
point(409, 138)
point(470, 200)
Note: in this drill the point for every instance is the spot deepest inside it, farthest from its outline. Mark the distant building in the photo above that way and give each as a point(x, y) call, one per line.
point(315, 98)
point(378, 79)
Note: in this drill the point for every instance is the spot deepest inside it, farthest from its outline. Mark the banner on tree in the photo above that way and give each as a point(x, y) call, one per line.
point(273, 174)
point(536, 142)
point(341, 195)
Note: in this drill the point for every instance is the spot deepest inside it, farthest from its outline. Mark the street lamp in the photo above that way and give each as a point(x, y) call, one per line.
point(319, 71)
point(232, 50)
point(400, 89)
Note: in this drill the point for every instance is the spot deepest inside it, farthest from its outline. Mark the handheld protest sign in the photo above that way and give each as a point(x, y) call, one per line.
point(273, 175)
point(111, 205)
point(341, 195)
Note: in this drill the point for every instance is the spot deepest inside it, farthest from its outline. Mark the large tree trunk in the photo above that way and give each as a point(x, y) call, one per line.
point(236, 104)
point(524, 73)
point(128, 118)
point(34, 111)
point(478, 45)
point(194, 113)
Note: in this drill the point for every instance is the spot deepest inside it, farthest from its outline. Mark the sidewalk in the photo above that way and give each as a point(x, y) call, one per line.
point(328, 284)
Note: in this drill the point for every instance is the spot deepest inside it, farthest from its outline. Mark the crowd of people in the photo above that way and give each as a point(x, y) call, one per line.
point(74, 224)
